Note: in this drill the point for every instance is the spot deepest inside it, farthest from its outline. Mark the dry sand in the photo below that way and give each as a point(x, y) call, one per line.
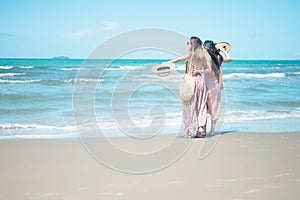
point(241, 166)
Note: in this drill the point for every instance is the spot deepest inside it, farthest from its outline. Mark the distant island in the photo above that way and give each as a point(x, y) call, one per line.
point(60, 57)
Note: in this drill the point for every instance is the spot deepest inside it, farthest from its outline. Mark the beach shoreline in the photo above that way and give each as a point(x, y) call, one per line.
point(240, 166)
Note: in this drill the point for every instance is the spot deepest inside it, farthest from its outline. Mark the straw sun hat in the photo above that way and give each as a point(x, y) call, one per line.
point(163, 69)
point(225, 45)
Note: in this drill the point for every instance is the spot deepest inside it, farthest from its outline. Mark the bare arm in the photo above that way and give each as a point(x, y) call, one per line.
point(227, 57)
point(220, 78)
point(177, 59)
point(182, 58)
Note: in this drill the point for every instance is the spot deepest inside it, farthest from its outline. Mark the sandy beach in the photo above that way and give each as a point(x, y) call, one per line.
point(241, 166)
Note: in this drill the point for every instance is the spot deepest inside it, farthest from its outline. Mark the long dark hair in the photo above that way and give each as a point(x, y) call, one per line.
point(215, 56)
point(213, 52)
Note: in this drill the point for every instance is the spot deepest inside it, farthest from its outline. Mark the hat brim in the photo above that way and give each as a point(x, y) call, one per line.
point(163, 70)
point(225, 45)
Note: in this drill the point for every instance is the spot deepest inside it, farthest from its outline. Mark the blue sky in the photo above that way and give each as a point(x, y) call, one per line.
point(41, 29)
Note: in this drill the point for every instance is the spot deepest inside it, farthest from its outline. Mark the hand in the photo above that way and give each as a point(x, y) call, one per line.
point(222, 49)
point(165, 63)
point(221, 86)
point(195, 72)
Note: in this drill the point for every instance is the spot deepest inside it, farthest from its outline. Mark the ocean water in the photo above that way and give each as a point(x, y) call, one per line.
point(37, 96)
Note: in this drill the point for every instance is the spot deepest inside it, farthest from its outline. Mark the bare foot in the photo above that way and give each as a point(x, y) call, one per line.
point(188, 135)
point(200, 134)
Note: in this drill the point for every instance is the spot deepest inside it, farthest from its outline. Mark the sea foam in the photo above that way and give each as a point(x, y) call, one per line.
point(245, 75)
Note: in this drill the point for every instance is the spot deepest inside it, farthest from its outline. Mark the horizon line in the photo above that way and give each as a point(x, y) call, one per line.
point(70, 58)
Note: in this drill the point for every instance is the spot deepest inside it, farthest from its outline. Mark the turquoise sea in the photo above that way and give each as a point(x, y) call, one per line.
point(36, 96)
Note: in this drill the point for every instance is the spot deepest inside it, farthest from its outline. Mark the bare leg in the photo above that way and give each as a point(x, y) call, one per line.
point(213, 127)
point(201, 131)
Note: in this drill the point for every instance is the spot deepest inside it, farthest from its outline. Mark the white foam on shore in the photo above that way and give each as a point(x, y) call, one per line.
point(43, 131)
point(35, 126)
point(21, 67)
point(52, 81)
point(252, 115)
point(69, 69)
point(19, 81)
point(12, 74)
point(245, 75)
point(45, 136)
point(26, 67)
point(172, 124)
point(294, 73)
point(125, 68)
point(6, 67)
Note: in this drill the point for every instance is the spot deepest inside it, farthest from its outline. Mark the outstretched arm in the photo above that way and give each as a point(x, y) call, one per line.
point(182, 58)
